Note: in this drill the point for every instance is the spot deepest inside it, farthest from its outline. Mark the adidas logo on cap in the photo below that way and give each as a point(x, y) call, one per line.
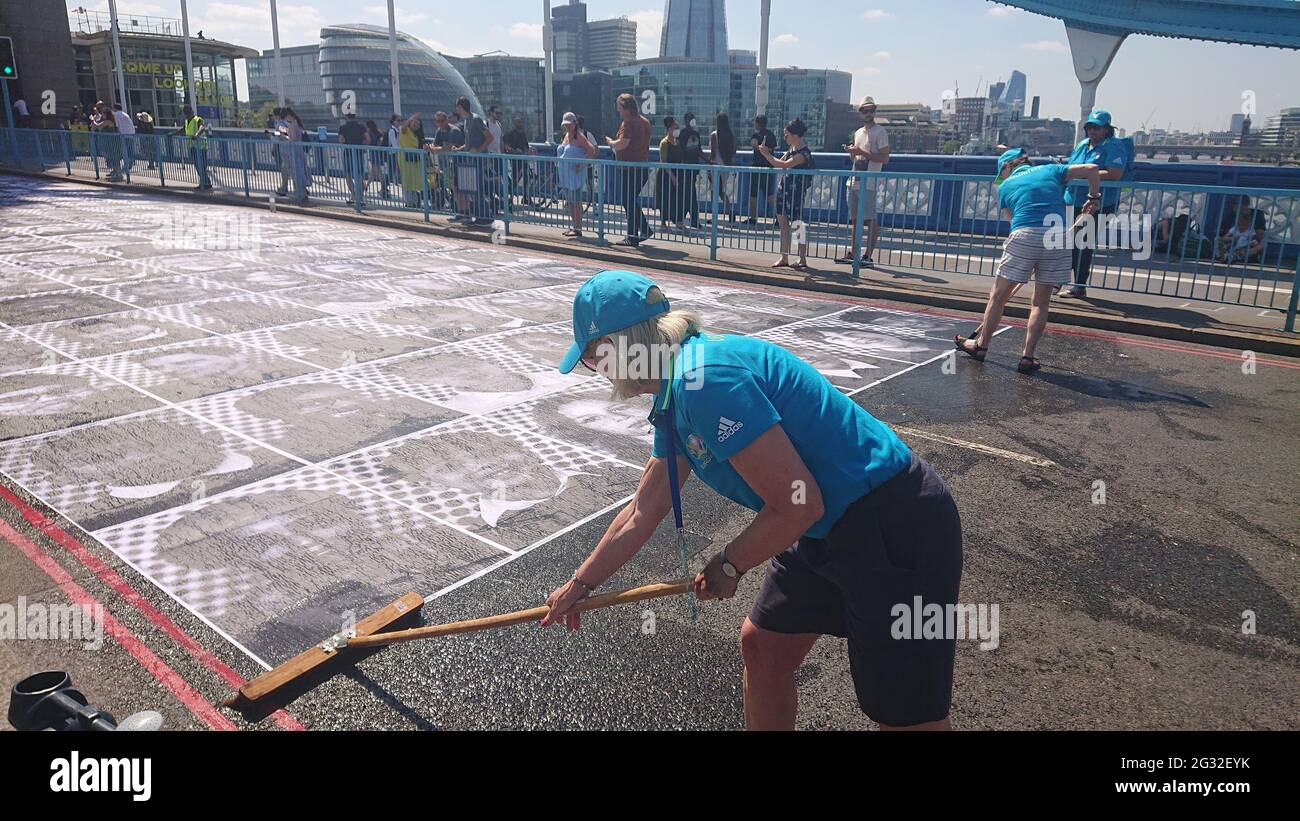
point(727, 428)
point(593, 329)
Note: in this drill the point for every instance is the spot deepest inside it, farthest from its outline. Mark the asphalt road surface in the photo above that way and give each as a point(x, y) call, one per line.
point(234, 431)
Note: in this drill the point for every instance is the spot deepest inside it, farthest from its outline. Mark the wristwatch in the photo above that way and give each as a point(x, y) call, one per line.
point(729, 569)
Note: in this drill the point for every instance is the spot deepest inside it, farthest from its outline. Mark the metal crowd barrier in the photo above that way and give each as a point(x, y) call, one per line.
point(1158, 238)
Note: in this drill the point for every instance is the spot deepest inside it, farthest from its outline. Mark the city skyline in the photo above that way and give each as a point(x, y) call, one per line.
point(875, 41)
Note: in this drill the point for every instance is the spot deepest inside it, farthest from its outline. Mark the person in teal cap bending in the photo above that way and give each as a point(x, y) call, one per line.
point(1031, 196)
point(851, 524)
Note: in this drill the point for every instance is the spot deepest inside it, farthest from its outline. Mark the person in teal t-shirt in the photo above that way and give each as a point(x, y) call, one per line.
point(872, 525)
point(1031, 197)
point(1102, 149)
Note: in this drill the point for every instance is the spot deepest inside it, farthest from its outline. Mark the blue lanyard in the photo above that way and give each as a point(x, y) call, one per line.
point(662, 418)
point(665, 412)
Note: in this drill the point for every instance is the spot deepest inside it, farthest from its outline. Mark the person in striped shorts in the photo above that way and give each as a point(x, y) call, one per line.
point(1032, 197)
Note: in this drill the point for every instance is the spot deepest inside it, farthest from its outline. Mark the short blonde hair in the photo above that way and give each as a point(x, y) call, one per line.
point(657, 340)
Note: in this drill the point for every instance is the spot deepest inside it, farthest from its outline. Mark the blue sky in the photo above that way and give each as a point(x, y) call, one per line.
point(904, 51)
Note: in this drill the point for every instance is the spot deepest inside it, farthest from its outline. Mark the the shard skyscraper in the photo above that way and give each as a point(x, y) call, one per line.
point(695, 29)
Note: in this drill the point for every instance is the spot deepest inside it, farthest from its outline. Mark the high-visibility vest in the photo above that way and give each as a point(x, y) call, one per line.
point(192, 127)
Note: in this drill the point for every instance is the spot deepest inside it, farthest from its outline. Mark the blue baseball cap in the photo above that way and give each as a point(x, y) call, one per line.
point(608, 302)
point(1099, 117)
point(1009, 155)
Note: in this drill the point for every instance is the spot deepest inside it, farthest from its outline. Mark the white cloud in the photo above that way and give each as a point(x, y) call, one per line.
point(882, 55)
point(785, 40)
point(875, 14)
point(378, 16)
point(999, 11)
point(251, 24)
point(1052, 46)
point(649, 25)
point(527, 31)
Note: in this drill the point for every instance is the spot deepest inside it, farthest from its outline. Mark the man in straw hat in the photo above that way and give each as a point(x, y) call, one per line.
point(870, 152)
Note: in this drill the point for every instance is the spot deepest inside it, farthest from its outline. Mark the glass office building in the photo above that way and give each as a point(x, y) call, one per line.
point(811, 94)
point(611, 43)
point(706, 89)
point(569, 37)
point(678, 86)
point(695, 30)
point(302, 88)
point(355, 58)
point(514, 83)
point(590, 95)
point(1015, 94)
point(806, 93)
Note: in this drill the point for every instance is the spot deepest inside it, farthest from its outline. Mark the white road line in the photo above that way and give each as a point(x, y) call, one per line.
point(975, 446)
point(935, 358)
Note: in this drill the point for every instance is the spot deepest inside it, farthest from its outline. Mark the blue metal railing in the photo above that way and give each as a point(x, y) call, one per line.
point(1166, 239)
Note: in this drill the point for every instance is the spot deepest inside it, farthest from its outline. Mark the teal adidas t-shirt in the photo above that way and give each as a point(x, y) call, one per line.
point(1032, 194)
point(1109, 154)
point(729, 390)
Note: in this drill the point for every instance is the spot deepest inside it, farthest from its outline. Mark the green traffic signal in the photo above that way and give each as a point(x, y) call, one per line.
point(8, 64)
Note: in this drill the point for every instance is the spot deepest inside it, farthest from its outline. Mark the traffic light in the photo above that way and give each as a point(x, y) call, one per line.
point(8, 65)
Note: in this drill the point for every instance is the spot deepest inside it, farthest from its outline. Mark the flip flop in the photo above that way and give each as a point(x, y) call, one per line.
point(977, 353)
point(1028, 365)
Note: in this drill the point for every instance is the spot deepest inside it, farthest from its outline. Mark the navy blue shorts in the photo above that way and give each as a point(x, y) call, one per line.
point(901, 541)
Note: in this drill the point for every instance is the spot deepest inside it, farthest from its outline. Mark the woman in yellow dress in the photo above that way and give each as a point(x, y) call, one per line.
point(410, 162)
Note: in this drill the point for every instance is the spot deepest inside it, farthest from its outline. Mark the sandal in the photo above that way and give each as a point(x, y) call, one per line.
point(977, 353)
point(1028, 364)
point(780, 264)
point(572, 233)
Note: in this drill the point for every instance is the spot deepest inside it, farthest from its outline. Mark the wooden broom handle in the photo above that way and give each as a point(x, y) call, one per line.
point(649, 591)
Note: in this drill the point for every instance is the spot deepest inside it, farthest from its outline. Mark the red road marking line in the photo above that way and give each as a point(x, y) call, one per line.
point(165, 675)
point(160, 620)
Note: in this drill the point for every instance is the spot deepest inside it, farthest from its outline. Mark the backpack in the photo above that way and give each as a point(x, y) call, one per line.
point(1185, 240)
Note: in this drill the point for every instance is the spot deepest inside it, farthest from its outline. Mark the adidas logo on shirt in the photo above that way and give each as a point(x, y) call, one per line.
point(727, 428)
